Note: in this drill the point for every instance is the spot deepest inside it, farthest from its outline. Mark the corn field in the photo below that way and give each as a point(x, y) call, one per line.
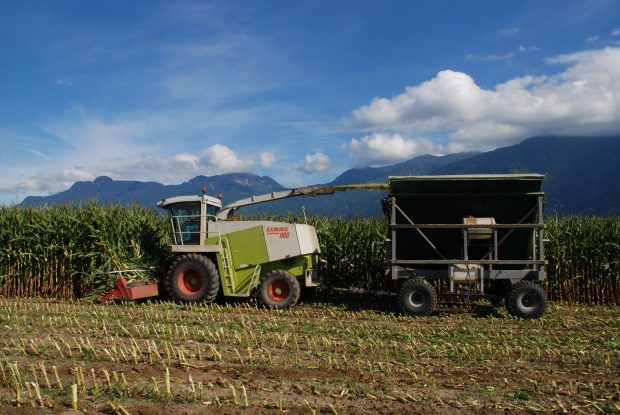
point(584, 259)
point(67, 251)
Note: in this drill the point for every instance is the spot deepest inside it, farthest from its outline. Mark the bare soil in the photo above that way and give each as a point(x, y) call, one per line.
point(315, 358)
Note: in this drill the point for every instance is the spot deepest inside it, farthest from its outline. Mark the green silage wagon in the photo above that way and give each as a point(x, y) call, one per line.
point(478, 236)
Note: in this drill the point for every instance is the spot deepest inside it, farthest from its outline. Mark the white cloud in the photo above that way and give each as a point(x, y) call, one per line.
point(165, 146)
point(490, 57)
point(378, 148)
point(38, 153)
point(221, 159)
point(314, 163)
point(215, 159)
point(267, 159)
point(592, 39)
point(616, 32)
point(524, 49)
point(582, 99)
point(91, 139)
point(202, 98)
point(51, 180)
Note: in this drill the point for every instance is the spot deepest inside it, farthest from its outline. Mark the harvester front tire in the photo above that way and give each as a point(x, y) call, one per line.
point(526, 300)
point(192, 278)
point(417, 297)
point(279, 289)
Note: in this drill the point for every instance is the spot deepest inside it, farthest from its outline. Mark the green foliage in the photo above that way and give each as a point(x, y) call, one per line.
point(584, 259)
point(524, 396)
point(65, 251)
point(353, 251)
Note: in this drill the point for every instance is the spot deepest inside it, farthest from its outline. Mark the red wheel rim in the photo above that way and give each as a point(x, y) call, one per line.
point(189, 282)
point(277, 290)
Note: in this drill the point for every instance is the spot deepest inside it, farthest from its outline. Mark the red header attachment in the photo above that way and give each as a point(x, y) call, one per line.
point(204, 190)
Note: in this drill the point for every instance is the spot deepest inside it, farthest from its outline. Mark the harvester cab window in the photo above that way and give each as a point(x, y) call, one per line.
point(186, 222)
point(212, 211)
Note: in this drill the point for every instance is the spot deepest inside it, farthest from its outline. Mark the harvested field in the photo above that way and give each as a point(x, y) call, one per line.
point(314, 358)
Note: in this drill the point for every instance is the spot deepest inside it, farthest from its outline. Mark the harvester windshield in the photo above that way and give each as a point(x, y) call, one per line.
point(188, 215)
point(186, 222)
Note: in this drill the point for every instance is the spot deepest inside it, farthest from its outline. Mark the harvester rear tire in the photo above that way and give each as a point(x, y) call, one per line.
point(526, 300)
point(417, 297)
point(192, 278)
point(279, 289)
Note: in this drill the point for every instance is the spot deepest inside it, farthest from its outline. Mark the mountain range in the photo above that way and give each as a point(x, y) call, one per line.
point(105, 190)
point(582, 177)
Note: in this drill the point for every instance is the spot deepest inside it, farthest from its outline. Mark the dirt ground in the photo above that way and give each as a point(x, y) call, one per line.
point(336, 357)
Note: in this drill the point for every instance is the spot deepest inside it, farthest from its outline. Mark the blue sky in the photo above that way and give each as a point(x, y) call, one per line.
point(299, 91)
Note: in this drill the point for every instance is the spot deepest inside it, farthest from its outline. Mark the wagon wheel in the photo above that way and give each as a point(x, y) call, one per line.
point(279, 289)
point(192, 278)
point(526, 300)
point(417, 297)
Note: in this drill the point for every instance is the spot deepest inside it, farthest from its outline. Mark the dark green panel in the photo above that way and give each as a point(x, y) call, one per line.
point(473, 184)
point(449, 199)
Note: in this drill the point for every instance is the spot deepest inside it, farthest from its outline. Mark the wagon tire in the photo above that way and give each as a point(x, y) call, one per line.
point(279, 289)
point(526, 300)
point(417, 297)
point(192, 278)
